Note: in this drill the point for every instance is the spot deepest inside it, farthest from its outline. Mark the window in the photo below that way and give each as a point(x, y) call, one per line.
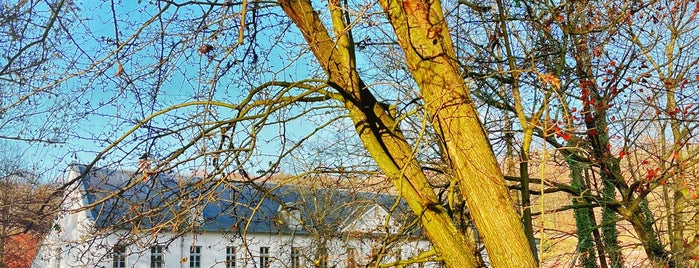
point(195, 257)
point(295, 257)
point(264, 257)
point(290, 215)
point(351, 258)
point(156, 257)
point(230, 257)
point(322, 259)
point(398, 254)
point(119, 256)
point(58, 257)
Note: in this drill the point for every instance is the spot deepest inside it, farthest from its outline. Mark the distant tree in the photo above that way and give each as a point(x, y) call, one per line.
point(25, 214)
point(20, 249)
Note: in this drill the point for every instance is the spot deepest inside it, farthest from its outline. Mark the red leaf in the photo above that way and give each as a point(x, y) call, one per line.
point(566, 136)
point(556, 129)
point(651, 174)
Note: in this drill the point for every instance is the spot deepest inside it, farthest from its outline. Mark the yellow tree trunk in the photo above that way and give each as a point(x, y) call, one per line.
point(377, 131)
point(422, 33)
point(455, 118)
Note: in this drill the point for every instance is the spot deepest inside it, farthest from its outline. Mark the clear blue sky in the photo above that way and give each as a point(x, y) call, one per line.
point(105, 105)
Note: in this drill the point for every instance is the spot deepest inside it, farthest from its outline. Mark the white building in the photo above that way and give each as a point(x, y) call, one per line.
point(125, 219)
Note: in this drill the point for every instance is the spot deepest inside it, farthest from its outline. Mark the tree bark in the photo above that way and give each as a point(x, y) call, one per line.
point(377, 130)
point(583, 221)
point(454, 117)
point(422, 34)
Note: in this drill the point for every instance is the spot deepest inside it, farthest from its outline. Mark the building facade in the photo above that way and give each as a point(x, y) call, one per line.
point(118, 218)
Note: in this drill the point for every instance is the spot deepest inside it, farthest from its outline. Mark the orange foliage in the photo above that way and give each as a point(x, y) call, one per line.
point(20, 250)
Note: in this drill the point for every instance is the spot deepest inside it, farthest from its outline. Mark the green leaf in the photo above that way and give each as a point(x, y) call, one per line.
point(685, 191)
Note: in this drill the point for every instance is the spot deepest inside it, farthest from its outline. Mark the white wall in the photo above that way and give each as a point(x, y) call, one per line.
point(72, 236)
point(213, 251)
point(77, 244)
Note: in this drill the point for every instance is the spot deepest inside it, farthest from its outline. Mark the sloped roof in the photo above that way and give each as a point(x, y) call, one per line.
point(125, 199)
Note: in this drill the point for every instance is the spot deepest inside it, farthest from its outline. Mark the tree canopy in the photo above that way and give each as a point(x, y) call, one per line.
point(488, 96)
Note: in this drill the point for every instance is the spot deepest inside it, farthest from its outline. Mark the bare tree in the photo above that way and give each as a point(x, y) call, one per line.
point(228, 88)
point(23, 223)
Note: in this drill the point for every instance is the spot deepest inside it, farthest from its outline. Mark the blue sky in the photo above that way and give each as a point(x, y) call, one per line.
point(100, 105)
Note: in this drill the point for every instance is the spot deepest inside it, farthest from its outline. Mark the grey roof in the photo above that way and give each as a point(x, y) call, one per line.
point(221, 205)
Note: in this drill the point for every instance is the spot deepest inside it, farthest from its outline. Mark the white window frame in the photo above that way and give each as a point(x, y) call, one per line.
point(295, 257)
point(157, 259)
point(195, 257)
point(230, 257)
point(264, 257)
point(119, 256)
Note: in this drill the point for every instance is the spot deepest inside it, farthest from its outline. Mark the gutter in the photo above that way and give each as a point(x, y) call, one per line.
point(181, 252)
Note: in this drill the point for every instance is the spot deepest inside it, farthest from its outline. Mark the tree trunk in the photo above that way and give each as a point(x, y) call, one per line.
point(377, 130)
point(526, 202)
point(679, 201)
point(2, 251)
point(583, 222)
point(609, 231)
point(423, 36)
point(455, 119)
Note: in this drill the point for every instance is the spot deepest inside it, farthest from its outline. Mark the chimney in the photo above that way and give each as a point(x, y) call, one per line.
point(144, 162)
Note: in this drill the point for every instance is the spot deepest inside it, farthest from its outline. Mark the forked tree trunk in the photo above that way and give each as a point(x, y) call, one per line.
point(454, 117)
point(377, 130)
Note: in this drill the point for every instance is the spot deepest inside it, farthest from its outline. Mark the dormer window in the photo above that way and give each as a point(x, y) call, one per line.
point(290, 215)
point(195, 216)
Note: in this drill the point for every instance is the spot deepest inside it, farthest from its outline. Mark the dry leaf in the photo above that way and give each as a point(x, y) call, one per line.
point(120, 70)
point(550, 79)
